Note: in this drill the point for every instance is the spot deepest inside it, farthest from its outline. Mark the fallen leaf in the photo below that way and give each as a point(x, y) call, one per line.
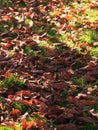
point(15, 112)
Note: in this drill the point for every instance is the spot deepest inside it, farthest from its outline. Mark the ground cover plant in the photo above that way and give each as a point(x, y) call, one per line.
point(48, 65)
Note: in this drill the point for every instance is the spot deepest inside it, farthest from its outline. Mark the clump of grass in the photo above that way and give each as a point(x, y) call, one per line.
point(92, 13)
point(94, 52)
point(88, 35)
point(2, 99)
point(5, 128)
point(16, 105)
point(64, 93)
point(5, 2)
point(77, 65)
point(28, 50)
point(36, 117)
point(12, 81)
point(78, 81)
point(88, 126)
point(18, 127)
point(33, 51)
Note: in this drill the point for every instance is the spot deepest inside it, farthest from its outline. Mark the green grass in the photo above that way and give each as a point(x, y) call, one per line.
point(63, 93)
point(2, 99)
point(77, 65)
point(88, 35)
point(23, 108)
point(17, 125)
point(94, 52)
point(93, 14)
point(37, 29)
point(34, 51)
point(5, 2)
point(88, 126)
point(78, 81)
point(5, 128)
point(12, 81)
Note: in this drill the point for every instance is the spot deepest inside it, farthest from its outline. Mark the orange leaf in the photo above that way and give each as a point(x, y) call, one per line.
point(7, 46)
point(35, 101)
point(88, 102)
point(23, 93)
point(69, 17)
point(6, 18)
point(7, 74)
point(10, 96)
point(25, 102)
point(27, 125)
point(97, 93)
point(84, 44)
point(23, 125)
point(71, 99)
point(15, 112)
point(30, 124)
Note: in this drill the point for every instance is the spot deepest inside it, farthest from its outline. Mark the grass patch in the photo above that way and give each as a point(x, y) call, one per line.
point(23, 108)
point(63, 93)
point(12, 81)
point(78, 81)
point(5, 128)
point(5, 2)
point(93, 14)
point(2, 99)
point(77, 65)
point(17, 125)
point(94, 52)
point(88, 126)
point(34, 50)
point(88, 35)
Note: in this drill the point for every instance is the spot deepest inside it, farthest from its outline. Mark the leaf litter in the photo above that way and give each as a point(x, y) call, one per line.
point(48, 79)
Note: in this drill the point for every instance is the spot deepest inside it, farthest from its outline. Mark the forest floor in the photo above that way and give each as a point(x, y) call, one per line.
point(48, 65)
